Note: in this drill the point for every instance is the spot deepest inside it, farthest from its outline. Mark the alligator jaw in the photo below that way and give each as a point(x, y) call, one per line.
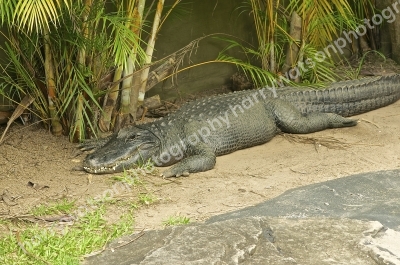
point(100, 170)
point(96, 164)
point(124, 150)
point(90, 167)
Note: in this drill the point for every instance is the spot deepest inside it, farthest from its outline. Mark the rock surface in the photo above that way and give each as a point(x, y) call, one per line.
point(260, 240)
point(371, 196)
point(353, 220)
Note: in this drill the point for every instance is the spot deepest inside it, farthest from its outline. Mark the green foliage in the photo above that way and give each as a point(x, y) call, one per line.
point(103, 39)
point(131, 180)
point(124, 39)
point(259, 75)
point(354, 73)
point(316, 72)
point(32, 16)
point(321, 22)
point(363, 9)
point(87, 44)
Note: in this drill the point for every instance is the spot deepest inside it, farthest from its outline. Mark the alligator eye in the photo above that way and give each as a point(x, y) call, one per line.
point(131, 137)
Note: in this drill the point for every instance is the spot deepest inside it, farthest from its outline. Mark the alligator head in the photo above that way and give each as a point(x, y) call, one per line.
point(125, 149)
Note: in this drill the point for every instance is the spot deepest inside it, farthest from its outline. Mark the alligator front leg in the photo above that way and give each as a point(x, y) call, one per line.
point(201, 158)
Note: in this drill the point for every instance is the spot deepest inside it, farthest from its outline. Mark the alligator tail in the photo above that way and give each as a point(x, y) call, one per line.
point(348, 98)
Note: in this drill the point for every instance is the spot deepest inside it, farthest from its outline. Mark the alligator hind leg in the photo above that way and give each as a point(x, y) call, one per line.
point(290, 120)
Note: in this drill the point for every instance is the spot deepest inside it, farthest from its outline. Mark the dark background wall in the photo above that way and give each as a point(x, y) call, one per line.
point(226, 16)
point(390, 32)
point(205, 17)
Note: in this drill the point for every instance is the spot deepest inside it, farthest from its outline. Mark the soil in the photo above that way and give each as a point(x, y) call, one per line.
point(39, 168)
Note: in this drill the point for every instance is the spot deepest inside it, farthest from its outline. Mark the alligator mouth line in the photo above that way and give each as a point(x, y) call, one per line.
point(110, 168)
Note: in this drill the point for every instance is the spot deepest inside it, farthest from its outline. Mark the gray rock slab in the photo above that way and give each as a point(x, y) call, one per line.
point(371, 196)
point(253, 240)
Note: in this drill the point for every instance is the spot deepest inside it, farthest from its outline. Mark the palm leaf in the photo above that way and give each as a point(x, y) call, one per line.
point(322, 20)
point(259, 76)
point(7, 10)
point(34, 15)
point(124, 40)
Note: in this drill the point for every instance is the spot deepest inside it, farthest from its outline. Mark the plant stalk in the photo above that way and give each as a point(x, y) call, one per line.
point(149, 52)
point(56, 127)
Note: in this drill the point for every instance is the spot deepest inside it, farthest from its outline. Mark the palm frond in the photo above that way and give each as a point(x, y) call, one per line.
point(19, 76)
point(259, 76)
point(35, 15)
point(7, 10)
point(317, 71)
point(124, 40)
point(322, 20)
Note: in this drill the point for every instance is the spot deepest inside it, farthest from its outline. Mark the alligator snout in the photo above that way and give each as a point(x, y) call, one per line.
point(92, 164)
point(123, 151)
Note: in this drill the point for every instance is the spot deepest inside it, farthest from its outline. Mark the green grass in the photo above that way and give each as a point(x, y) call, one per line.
point(128, 178)
point(147, 199)
point(48, 245)
point(132, 176)
point(176, 220)
point(63, 206)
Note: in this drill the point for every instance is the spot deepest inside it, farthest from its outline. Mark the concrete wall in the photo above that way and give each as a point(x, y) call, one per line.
point(206, 17)
point(390, 32)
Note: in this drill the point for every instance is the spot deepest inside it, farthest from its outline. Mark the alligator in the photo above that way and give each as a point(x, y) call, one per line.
point(192, 137)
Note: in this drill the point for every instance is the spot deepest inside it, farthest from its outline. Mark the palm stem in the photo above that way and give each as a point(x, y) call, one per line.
point(56, 127)
point(110, 101)
point(149, 51)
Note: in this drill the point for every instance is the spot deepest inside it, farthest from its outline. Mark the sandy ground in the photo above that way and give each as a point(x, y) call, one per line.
point(240, 179)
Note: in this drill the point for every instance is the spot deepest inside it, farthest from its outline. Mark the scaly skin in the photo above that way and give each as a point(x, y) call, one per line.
point(192, 137)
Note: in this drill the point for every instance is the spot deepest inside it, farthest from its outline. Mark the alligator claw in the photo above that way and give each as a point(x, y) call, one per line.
point(167, 174)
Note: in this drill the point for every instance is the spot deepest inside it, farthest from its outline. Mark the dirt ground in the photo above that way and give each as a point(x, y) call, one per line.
point(244, 178)
point(241, 179)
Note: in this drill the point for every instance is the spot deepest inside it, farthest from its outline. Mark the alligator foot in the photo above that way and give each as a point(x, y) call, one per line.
point(290, 120)
point(201, 158)
point(169, 173)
